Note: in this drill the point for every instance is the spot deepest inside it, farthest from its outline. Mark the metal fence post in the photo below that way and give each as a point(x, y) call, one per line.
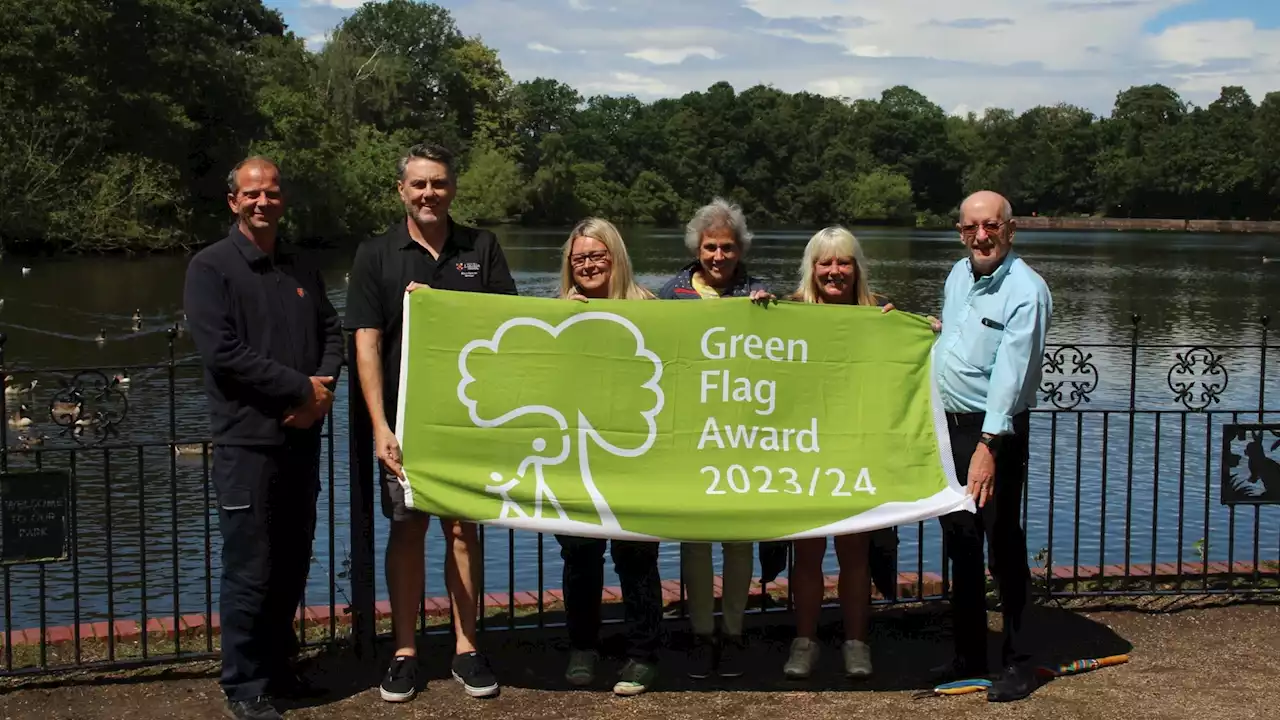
point(4, 426)
point(1135, 319)
point(360, 459)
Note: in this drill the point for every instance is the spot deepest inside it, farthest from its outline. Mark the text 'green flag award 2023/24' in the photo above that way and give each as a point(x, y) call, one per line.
point(685, 421)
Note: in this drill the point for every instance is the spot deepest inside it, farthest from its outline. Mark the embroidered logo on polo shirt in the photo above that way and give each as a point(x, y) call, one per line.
point(468, 270)
point(301, 293)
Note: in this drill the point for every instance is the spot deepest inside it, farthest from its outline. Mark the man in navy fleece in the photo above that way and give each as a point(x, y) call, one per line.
point(271, 346)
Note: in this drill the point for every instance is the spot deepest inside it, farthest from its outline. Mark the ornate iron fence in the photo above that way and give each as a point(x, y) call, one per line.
point(1149, 475)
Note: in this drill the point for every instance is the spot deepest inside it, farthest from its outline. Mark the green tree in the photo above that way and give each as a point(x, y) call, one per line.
point(540, 108)
point(1266, 151)
point(490, 189)
point(424, 40)
point(653, 200)
point(478, 90)
point(143, 106)
point(879, 196)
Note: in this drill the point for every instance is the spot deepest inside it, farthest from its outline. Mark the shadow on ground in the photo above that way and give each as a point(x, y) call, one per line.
point(906, 642)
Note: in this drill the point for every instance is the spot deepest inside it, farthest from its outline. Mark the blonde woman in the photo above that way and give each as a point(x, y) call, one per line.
point(833, 271)
point(595, 266)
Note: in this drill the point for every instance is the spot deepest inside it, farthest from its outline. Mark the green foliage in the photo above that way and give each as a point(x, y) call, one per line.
point(652, 200)
point(142, 106)
point(879, 196)
point(491, 189)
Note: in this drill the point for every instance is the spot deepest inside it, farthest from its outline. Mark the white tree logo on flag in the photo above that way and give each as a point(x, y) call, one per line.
point(556, 449)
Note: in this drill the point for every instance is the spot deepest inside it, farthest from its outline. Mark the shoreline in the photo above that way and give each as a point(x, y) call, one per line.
point(1025, 222)
point(1147, 224)
point(910, 588)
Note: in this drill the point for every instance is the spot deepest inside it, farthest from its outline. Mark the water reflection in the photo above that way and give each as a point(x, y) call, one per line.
point(145, 532)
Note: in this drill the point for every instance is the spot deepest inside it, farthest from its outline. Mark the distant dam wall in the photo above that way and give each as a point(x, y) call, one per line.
point(1092, 223)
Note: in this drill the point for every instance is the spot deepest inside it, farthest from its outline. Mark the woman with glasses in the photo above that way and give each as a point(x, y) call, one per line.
point(719, 240)
point(595, 266)
point(833, 271)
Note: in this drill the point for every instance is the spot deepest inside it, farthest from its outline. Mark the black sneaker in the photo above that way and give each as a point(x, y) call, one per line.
point(401, 682)
point(292, 686)
point(258, 708)
point(636, 677)
point(472, 670)
point(702, 658)
point(1015, 683)
point(732, 650)
point(956, 669)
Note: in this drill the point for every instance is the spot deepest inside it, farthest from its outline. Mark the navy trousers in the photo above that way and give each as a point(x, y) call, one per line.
point(267, 515)
point(637, 566)
point(998, 526)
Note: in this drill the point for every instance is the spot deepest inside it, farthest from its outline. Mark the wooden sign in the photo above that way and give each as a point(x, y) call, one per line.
point(1251, 464)
point(35, 516)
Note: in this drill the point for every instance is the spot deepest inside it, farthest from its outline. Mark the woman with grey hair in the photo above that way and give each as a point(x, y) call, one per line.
point(718, 238)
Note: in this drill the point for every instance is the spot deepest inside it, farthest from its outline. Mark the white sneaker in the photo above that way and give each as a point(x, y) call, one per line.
point(804, 653)
point(857, 658)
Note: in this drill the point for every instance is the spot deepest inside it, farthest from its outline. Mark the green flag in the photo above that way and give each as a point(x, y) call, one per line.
point(693, 421)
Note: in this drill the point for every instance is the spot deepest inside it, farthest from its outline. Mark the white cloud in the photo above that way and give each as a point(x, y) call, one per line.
point(963, 110)
point(1205, 56)
point(870, 51)
point(1203, 42)
point(316, 43)
point(673, 56)
point(847, 86)
point(342, 4)
point(1054, 33)
point(972, 55)
point(626, 83)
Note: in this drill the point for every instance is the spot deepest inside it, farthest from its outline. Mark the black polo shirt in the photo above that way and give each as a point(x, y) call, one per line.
point(263, 326)
point(470, 261)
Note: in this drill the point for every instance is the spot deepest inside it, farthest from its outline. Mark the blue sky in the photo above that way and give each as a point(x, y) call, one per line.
point(1263, 13)
point(966, 55)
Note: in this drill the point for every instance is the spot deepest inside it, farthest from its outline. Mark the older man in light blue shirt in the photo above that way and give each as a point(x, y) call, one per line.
point(987, 364)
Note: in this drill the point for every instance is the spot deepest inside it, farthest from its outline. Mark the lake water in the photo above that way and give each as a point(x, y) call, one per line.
point(1147, 501)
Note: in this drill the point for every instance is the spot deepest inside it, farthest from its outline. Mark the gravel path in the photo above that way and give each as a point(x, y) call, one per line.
point(1189, 660)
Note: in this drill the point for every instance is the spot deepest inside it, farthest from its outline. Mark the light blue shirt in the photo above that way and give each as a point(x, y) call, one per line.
point(989, 355)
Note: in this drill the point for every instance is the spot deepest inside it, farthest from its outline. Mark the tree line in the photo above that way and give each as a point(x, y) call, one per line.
point(119, 121)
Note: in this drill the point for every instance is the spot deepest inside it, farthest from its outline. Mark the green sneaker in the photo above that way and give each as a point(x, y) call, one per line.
point(636, 677)
point(582, 667)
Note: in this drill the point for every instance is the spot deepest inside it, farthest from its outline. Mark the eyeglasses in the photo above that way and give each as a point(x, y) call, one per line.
point(968, 232)
point(598, 257)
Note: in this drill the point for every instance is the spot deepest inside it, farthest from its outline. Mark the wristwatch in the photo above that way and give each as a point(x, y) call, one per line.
point(991, 441)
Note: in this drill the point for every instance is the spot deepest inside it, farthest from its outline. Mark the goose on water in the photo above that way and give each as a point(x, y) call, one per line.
point(19, 418)
point(26, 442)
point(11, 389)
point(62, 410)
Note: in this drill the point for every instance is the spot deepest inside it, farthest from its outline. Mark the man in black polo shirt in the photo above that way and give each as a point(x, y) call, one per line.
point(427, 248)
point(271, 346)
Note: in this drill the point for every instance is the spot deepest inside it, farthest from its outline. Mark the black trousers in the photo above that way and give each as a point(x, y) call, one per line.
point(267, 515)
point(637, 566)
point(999, 524)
